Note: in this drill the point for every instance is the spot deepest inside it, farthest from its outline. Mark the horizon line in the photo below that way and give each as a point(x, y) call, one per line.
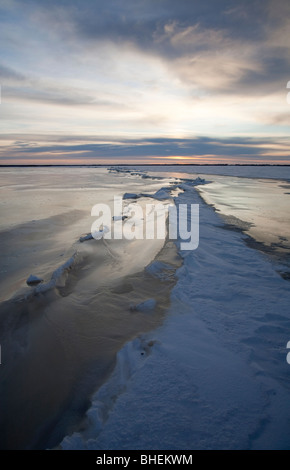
point(96, 165)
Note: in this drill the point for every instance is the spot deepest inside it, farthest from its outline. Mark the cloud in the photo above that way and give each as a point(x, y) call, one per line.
point(11, 75)
point(138, 22)
point(17, 87)
point(139, 68)
point(234, 149)
point(276, 119)
point(55, 95)
point(215, 46)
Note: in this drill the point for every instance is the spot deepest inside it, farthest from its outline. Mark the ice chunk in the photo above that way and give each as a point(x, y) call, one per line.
point(97, 235)
point(89, 236)
point(119, 217)
point(160, 270)
point(200, 180)
point(130, 196)
point(145, 306)
point(33, 280)
point(163, 193)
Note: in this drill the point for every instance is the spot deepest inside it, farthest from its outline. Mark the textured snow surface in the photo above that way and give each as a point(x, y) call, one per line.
point(215, 375)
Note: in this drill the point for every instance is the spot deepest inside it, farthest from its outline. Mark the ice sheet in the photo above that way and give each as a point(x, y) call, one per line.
point(215, 375)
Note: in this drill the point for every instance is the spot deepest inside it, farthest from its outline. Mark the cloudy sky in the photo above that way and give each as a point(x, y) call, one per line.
point(144, 81)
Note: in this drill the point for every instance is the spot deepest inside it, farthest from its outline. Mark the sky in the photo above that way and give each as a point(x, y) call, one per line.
point(144, 81)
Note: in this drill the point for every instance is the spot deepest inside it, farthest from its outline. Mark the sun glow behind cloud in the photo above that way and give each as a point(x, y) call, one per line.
point(103, 83)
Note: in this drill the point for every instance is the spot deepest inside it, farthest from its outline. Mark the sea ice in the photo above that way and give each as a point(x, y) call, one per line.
point(146, 306)
point(33, 280)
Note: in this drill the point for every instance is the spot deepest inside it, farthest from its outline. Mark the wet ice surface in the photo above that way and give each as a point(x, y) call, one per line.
point(261, 203)
point(253, 199)
point(45, 211)
point(59, 337)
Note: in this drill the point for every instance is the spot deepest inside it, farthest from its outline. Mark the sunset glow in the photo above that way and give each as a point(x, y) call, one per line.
point(183, 82)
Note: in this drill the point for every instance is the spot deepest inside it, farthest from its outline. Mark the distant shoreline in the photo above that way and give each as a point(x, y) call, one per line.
point(147, 164)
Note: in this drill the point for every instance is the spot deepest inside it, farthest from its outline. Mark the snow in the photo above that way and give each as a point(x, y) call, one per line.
point(160, 270)
point(162, 193)
point(215, 375)
point(58, 277)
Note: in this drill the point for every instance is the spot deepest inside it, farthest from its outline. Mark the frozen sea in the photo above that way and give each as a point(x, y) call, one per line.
point(84, 365)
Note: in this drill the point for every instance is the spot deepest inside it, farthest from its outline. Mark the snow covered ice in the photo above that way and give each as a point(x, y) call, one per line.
point(163, 348)
point(215, 375)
